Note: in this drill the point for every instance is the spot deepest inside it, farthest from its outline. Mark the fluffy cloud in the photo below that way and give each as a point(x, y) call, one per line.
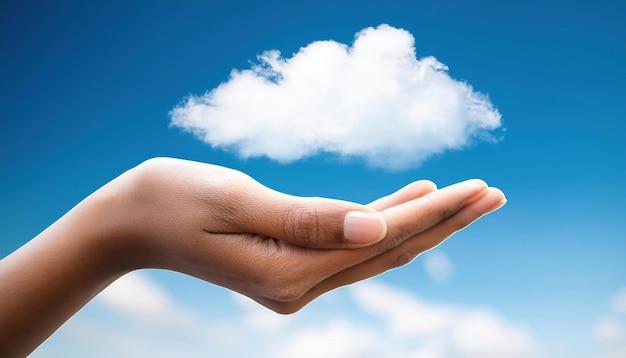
point(438, 266)
point(373, 100)
point(444, 331)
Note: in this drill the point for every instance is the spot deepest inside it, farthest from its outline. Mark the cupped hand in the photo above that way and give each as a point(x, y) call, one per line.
point(283, 251)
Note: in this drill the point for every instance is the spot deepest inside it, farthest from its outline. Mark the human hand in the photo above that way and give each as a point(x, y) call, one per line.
point(283, 251)
point(221, 226)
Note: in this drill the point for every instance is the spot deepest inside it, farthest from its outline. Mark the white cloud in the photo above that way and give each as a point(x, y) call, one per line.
point(444, 331)
point(438, 266)
point(374, 100)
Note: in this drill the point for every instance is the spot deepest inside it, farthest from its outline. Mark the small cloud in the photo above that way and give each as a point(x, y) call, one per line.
point(438, 266)
point(373, 100)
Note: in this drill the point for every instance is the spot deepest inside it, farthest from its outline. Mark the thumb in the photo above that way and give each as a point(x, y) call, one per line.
point(316, 222)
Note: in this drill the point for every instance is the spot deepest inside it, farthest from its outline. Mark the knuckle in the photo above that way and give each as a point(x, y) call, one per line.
point(393, 242)
point(439, 212)
point(301, 222)
point(430, 209)
point(444, 214)
point(404, 258)
point(434, 211)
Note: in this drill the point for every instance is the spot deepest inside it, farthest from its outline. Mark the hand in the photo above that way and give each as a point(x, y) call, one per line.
point(284, 251)
point(221, 226)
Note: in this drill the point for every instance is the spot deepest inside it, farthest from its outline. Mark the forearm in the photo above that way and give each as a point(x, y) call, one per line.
point(49, 279)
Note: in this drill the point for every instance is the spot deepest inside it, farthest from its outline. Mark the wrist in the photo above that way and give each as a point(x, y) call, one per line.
point(120, 214)
point(136, 217)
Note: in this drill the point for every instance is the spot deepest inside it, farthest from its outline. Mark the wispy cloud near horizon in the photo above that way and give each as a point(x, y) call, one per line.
point(373, 100)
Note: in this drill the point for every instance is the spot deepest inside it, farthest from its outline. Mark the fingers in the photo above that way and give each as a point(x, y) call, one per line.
point(398, 256)
point(412, 217)
point(410, 249)
point(407, 193)
point(404, 221)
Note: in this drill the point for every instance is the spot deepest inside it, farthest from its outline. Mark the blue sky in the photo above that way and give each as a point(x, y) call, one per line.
point(86, 90)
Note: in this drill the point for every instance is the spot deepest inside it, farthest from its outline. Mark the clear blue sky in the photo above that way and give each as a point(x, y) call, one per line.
point(85, 93)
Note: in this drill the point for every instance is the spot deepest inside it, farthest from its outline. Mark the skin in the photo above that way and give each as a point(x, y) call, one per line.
point(223, 227)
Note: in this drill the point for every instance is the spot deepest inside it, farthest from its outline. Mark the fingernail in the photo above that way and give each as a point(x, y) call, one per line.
point(364, 227)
